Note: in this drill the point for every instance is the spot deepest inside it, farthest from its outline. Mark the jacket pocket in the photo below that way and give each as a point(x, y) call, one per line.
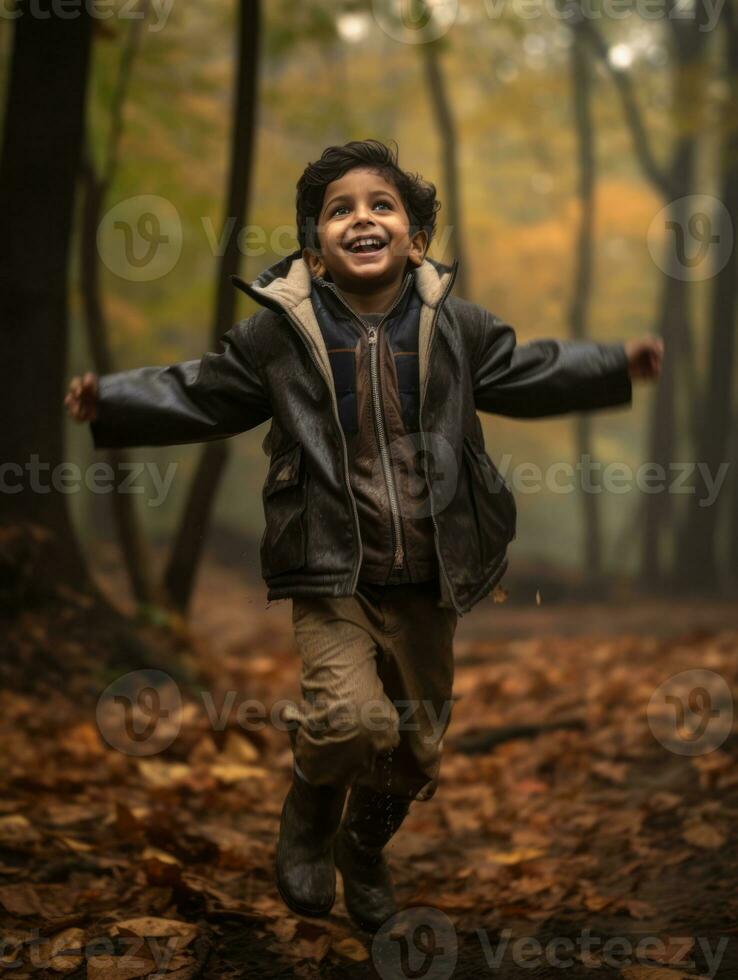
point(283, 545)
point(493, 502)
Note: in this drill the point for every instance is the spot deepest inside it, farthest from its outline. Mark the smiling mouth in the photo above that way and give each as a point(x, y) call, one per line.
point(364, 245)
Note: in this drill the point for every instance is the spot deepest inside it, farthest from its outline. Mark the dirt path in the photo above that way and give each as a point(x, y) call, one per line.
point(606, 822)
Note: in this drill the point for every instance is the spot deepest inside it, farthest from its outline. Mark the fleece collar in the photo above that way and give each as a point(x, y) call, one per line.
point(285, 287)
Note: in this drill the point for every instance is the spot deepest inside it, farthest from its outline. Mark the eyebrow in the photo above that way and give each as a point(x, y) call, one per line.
point(346, 197)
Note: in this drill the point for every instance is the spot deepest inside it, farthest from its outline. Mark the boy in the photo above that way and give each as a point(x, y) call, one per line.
point(385, 518)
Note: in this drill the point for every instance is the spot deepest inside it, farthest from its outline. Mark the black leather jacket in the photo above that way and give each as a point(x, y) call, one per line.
point(374, 358)
point(274, 365)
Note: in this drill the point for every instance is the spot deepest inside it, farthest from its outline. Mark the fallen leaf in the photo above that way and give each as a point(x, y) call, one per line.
point(126, 967)
point(231, 772)
point(655, 973)
point(674, 951)
point(16, 830)
point(59, 952)
point(703, 834)
point(238, 749)
point(350, 949)
point(180, 933)
point(163, 774)
point(512, 857)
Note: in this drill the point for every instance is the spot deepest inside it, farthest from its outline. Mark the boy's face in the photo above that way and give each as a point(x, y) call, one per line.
point(359, 204)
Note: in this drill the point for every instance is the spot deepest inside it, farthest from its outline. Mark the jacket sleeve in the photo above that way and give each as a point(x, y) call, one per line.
point(219, 395)
point(546, 377)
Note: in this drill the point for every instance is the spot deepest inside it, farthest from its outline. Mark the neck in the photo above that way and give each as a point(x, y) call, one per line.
point(375, 302)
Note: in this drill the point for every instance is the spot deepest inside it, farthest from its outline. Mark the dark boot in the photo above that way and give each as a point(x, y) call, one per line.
point(371, 820)
point(306, 874)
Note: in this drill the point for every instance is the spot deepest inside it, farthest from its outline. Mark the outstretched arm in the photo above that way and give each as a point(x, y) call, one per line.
point(551, 377)
point(217, 396)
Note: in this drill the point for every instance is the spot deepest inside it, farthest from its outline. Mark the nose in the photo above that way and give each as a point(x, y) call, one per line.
point(363, 211)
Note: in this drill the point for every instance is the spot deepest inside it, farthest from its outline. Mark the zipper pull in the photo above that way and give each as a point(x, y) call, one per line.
point(399, 557)
point(372, 336)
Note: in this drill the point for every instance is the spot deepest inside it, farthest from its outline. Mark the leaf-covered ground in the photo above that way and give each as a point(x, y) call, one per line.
point(564, 811)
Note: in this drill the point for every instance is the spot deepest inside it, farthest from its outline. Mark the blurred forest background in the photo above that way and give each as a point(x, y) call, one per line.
point(588, 171)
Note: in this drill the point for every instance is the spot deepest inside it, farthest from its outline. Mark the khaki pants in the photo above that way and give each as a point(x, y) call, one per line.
point(376, 682)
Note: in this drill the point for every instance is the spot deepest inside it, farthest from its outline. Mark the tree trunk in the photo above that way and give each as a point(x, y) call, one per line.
point(689, 37)
point(581, 87)
point(132, 544)
point(674, 323)
point(698, 538)
point(40, 160)
point(673, 326)
point(733, 519)
point(447, 135)
point(180, 573)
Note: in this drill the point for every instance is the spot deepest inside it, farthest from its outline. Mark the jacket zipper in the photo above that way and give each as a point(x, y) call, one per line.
point(373, 332)
point(422, 439)
point(399, 558)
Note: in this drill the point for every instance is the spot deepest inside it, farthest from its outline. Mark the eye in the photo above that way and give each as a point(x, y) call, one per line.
point(339, 207)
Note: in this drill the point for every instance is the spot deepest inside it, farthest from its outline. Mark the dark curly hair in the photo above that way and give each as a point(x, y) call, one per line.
point(418, 196)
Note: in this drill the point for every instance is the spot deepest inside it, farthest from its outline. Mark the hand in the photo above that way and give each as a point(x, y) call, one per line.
point(81, 399)
point(644, 357)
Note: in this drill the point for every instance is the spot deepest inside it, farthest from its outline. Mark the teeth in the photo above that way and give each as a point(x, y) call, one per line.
point(366, 241)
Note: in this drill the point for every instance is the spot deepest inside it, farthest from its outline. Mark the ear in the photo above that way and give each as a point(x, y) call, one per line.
point(314, 262)
point(418, 247)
